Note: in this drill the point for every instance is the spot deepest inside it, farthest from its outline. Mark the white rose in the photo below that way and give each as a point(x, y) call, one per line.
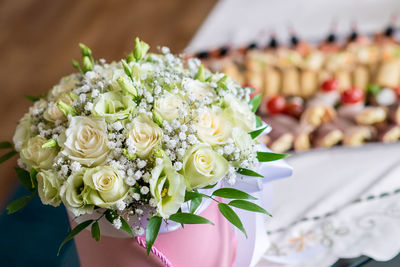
point(48, 188)
point(72, 192)
point(85, 140)
point(168, 106)
point(33, 155)
point(113, 106)
point(23, 132)
point(197, 89)
point(212, 127)
point(53, 113)
point(144, 134)
point(104, 186)
point(239, 113)
point(203, 166)
point(168, 188)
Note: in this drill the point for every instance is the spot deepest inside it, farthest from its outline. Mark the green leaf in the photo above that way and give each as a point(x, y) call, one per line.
point(24, 178)
point(19, 203)
point(255, 102)
point(96, 231)
point(210, 186)
point(194, 204)
point(7, 156)
point(232, 193)
point(189, 195)
point(125, 226)
point(247, 205)
point(254, 134)
point(152, 229)
point(248, 172)
point(5, 145)
point(32, 98)
point(258, 121)
point(180, 211)
point(74, 232)
point(189, 218)
point(269, 156)
point(111, 215)
point(231, 216)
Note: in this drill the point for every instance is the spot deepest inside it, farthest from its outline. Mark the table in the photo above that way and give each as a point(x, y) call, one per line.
point(340, 202)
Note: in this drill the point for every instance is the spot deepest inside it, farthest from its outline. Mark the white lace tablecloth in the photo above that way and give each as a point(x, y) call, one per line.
point(339, 203)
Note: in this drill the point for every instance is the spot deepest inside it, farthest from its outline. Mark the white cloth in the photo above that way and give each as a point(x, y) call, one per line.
point(239, 22)
point(350, 198)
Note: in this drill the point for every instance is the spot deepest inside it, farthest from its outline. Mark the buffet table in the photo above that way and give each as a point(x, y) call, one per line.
point(340, 202)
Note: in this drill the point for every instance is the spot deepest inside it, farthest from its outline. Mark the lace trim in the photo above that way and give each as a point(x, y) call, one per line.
point(328, 214)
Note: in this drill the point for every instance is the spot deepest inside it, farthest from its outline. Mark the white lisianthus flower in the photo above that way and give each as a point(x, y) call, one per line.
point(65, 86)
point(197, 89)
point(168, 106)
point(239, 113)
point(212, 127)
point(49, 184)
point(53, 113)
point(85, 140)
point(144, 134)
point(113, 106)
point(72, 192)
point(203, 166)
point(23, 132)
point(167, 188)
point(104, 186)
point(33, 155)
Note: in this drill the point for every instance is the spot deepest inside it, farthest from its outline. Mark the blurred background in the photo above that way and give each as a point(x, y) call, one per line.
point(39, 38)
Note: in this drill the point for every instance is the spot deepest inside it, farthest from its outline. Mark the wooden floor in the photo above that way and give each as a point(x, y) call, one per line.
point(38, 39)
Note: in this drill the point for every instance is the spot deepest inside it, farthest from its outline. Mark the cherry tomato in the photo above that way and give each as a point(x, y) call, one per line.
point(330, 85)
point(293, 108)
point(276, 104)
point(352, 95)
point(397, 91)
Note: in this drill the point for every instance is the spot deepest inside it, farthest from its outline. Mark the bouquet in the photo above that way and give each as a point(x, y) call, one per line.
point(137, 141)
